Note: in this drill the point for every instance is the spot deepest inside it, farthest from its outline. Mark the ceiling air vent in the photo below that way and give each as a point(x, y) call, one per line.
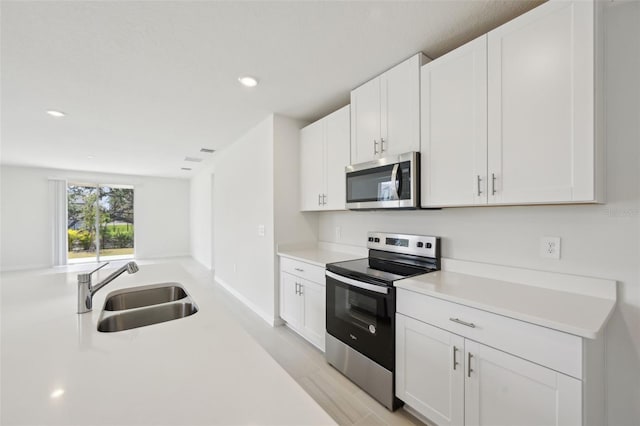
point(193, 159)
point(207, 150)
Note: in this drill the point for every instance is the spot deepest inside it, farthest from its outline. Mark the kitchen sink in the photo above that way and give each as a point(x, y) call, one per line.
point(146, 305)
point(144, 296)
point(146, 316)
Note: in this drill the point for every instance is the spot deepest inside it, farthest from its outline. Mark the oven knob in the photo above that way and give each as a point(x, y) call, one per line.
point(419, 244)
point(370, 238)
point(428, 245)
point(377, 240)
point(372, 329)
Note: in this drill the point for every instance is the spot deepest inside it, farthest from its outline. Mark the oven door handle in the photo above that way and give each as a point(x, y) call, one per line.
point(359, 284)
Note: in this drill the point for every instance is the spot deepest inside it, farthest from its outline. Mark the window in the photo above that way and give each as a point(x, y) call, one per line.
point(100, 222)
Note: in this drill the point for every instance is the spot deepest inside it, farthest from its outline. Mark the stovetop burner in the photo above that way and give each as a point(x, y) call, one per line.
point(392, 257)
point(384, 271)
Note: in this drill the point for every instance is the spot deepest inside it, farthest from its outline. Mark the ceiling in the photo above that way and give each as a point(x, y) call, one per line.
point(146, 83)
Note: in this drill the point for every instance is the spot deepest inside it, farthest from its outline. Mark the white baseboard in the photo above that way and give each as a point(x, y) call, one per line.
point(248, 303)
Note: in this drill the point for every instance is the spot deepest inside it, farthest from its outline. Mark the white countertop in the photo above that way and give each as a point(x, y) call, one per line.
point(318, 256)
point(200, 370)
point(577, 314)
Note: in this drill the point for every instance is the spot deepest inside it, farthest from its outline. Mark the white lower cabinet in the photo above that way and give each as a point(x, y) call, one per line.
point(502, 389)
point(454, 380)
point(429, 370)
point(302, 301)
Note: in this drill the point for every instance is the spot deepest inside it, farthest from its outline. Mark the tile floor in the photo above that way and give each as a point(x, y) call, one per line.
point(344, 401)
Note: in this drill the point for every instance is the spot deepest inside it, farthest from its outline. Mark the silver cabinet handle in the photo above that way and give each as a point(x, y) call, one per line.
point(319, 198)
point(324, 199)
point(459, 321)
point(493, 184)
point(479, 190)
point(469, 370)
point(296, 288)
point(455, 362)
point(300, 286)
point(375, 147)
point(299, 269)
point(381, 145)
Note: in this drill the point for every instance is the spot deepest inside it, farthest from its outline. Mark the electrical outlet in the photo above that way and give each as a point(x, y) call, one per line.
point(260, 230)
point(550, 247)
point(338, 232)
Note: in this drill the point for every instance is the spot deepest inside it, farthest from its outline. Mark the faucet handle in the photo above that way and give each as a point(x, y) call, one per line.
point(86, 276)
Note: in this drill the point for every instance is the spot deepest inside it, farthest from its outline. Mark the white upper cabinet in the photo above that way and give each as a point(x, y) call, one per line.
point(312, 166)
point(511, 118)
point(365, 122)
point(385, 113)
point(324, 154)
point(337, 156)
point(400, 107)
point(454, 127)
point(541, 106)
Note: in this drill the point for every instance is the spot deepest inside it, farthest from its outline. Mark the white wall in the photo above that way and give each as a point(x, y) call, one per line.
point(243, 200)
point(161, 214)
point(597, 240)
point(256, 183)
point(201, 217)
point(291, 225)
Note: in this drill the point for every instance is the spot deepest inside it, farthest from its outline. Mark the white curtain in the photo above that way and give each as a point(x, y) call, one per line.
point(58, 215)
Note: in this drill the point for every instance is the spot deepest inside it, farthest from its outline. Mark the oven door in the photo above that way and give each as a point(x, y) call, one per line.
point(390, 182)
point(362, 315)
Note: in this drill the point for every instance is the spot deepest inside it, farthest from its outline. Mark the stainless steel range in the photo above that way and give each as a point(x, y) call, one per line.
point(361, 307)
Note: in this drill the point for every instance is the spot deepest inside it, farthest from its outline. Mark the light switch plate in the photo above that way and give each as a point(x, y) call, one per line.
point(260, 230)
point(550, 247)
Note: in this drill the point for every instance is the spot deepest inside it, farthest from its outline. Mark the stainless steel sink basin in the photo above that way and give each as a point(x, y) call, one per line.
point(146, 305)
point(144, 296)
point(146, 316)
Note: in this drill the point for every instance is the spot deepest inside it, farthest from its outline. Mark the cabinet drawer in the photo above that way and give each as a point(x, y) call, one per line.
point(554, 349)
point(303, 270)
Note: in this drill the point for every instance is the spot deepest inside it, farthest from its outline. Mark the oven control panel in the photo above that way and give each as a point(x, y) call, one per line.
point(420, 245)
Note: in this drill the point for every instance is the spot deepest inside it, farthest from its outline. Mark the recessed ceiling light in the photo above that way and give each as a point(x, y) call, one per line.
point(57, 393)
point(193, 159)
point(90, 157)
point(185, 168)
point(55, 113)
point(207, 150)
point(248, 81)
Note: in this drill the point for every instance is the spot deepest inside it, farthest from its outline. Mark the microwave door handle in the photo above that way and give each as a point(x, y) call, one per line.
point(399, 179)
point(394, 180)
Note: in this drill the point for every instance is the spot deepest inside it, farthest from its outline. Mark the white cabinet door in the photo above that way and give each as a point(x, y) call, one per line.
point(541, 106)
point(337, 150)
point(311, 166)
point(430, 370)
point(365, 122)
point(400, 108)
point(290, 305)
point(313, 313)
point(502, 389)
point(454, 127)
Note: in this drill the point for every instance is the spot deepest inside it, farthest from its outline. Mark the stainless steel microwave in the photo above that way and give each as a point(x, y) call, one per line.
point(386, 183)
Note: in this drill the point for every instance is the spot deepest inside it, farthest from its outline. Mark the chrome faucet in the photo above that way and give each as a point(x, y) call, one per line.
point(86, 291)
